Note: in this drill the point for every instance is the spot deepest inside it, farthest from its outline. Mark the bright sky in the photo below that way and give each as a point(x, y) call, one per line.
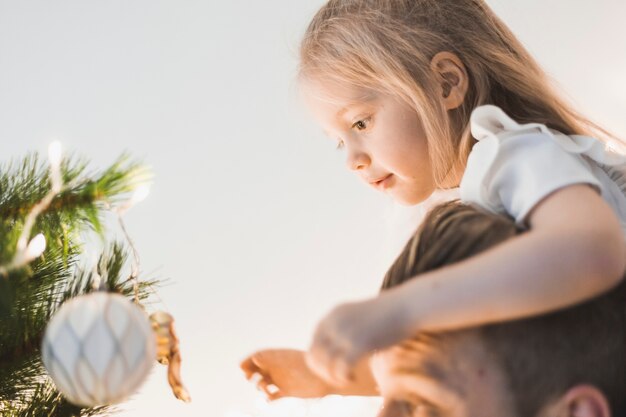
point(252, 217)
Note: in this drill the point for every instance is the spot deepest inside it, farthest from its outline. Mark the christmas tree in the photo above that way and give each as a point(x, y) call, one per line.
point(46, 209)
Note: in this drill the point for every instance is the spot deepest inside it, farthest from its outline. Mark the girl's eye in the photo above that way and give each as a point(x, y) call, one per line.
point(361, 124)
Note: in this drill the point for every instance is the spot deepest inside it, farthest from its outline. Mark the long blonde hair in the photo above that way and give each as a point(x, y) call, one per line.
point(387, 46)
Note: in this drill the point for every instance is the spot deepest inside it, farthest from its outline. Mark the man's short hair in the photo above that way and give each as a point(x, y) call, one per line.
point(544, 356)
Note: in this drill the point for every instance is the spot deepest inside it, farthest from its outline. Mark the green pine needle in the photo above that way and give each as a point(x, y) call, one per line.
point(29, 296)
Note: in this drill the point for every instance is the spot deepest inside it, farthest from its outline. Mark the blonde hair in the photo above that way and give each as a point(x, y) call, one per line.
point(387, 46)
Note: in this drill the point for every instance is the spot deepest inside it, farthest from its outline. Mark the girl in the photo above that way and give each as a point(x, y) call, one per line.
point(402, 85)
point(424, 95)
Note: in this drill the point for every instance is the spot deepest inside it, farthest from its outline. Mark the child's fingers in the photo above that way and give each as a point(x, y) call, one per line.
point(330, 360)
point(316, 360)
point(343, 370)
point(255, 378)
point(254, 372)
point(249, 366)
point(273, 392)
point(268, 387)
point(322, 358)
point(338, 370)
point(276, 396)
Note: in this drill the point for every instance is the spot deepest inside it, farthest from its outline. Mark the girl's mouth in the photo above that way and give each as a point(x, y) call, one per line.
point(382, 183)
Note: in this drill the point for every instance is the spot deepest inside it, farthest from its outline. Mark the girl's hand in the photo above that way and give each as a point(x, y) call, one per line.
point(284, 373)
point(353, 330)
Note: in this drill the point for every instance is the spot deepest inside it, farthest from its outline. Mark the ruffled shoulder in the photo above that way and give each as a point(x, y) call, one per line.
point(514, 165)
point(491, 121)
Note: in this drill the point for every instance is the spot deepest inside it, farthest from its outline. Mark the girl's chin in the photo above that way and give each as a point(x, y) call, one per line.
point(407, 203)
point(408, 198)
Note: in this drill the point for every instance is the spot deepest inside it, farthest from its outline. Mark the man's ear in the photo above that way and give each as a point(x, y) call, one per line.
point(581, 401)
point(452, 78)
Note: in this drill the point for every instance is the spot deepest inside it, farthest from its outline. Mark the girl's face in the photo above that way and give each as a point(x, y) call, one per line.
point(382, 137)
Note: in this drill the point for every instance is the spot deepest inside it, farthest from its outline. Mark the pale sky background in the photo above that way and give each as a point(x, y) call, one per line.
point(252, 218)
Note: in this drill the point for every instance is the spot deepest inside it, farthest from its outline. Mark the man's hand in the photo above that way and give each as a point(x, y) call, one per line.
point(284, 373)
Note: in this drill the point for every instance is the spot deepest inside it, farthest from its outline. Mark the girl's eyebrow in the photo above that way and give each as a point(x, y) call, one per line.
point(361, 100)
point(342, 111)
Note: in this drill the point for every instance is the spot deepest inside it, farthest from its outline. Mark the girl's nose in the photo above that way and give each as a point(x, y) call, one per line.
point(357, 160)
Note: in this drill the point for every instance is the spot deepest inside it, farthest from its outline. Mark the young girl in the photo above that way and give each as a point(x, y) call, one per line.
point(424, 95)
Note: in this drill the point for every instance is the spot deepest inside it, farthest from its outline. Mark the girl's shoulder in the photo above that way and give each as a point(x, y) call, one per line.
point(489, 121)
point(513, 165)
point(491, 127)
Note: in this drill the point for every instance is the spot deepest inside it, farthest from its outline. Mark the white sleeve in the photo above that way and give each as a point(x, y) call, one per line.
point(512, 172)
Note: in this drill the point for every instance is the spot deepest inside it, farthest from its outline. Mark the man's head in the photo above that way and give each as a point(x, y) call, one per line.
point(569, 363)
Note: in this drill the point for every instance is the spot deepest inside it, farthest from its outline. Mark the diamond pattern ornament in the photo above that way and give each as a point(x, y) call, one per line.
point(98, 349)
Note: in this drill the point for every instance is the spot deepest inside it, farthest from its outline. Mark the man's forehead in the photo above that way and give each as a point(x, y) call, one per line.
point(422, 364)
point(453, 374)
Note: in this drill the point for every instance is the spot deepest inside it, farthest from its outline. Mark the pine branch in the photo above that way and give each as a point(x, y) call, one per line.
point(29, 296)
point(26, 303)
point(82, 199)
point(44, 401)
point(21, 373)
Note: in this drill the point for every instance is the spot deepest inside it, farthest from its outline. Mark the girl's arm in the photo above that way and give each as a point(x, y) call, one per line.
point(574, 251)
point(287, 371)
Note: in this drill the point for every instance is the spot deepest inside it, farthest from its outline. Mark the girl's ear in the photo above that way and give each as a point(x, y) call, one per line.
point(452, 77)
point(581, 401)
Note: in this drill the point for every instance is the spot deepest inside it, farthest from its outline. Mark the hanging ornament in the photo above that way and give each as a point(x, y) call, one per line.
point(168, 352)
point(98, 348)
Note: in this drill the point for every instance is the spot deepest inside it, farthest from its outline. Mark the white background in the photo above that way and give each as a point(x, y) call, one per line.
point(252, 219)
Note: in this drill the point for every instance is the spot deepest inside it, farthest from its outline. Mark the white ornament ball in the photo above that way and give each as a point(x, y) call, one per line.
point(98, 349)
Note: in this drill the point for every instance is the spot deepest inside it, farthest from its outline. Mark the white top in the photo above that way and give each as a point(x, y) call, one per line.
point(514, 166)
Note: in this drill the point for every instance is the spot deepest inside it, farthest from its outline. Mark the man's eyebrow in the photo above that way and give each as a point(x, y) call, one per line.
point(429, 389)
point(421, 359)
point(425, 369)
